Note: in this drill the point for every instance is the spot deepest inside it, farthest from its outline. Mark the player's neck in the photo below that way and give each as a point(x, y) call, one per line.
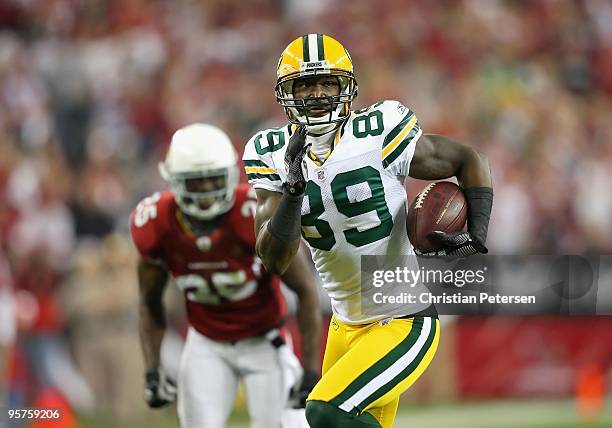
point(321, 144)
point(196, 226)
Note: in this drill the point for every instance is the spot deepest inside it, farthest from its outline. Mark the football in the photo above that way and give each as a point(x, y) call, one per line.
point(439, 206)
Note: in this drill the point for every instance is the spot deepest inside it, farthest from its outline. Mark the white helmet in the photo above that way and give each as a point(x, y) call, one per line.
point(201, 151)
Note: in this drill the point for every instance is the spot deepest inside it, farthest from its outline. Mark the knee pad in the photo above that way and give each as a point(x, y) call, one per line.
point(321, 414)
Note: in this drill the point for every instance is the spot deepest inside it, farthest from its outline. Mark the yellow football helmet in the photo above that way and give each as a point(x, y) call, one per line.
point(310, 55)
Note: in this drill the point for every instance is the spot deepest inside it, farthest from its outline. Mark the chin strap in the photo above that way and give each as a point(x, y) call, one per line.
point(335, 127)
point(319, 133)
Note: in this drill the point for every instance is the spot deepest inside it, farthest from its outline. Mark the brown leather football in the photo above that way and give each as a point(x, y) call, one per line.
point(439, 206)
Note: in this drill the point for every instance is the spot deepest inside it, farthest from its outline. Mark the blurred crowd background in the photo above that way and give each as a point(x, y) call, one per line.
point(91, 91)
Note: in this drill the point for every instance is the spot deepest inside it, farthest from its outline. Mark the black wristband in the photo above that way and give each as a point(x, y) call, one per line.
point(480, 202)
point(286, 222)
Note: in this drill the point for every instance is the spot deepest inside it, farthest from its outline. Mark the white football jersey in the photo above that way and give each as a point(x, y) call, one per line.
point(355, 201)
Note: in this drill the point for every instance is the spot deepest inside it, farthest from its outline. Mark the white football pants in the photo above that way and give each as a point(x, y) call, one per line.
point(210, 372)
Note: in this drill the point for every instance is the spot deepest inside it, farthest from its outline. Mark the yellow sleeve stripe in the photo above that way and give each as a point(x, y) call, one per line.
point(259, 170)
point(398, 139)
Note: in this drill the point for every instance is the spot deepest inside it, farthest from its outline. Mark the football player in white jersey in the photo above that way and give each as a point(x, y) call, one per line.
point(335, 177)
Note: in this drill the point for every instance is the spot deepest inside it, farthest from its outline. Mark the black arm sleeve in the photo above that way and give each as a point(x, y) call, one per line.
point(480, 203)
point(286, 222)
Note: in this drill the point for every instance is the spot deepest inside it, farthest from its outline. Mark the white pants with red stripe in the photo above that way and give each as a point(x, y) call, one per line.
point(210, 372)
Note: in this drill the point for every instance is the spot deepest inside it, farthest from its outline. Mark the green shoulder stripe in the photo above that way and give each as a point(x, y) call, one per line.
point(388, 160)
point(395, 131)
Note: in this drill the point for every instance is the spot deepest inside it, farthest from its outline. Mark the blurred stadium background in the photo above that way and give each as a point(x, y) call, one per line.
point(91, 90)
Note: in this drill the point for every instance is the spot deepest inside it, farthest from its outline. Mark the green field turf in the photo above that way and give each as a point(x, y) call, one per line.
point(481, 414)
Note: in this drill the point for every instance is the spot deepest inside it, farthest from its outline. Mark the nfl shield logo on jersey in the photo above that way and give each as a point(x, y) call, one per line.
point(320, 174)
point(385, 321)
point(204, 243)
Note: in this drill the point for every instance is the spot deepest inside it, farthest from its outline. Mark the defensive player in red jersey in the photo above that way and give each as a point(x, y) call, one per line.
point(202, 234)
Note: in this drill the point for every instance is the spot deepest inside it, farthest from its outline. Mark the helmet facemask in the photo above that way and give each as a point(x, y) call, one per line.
point(337, 106)
point(205, 194)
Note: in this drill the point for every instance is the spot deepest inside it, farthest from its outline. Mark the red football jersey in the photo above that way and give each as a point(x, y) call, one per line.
point(229, 295)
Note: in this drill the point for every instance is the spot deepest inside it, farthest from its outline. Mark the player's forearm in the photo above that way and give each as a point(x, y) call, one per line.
point(279, 238)
point(152, 326)
point(474, 170)
point(475, 178)
point(309, 323)
point(275, 255)
point(152, 280)
point(299, 278)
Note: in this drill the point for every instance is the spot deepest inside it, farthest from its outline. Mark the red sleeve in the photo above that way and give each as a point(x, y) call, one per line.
point(243, 215)
point(147, 225)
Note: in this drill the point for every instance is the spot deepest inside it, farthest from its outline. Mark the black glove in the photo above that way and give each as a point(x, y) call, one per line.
point(458, 244)
point(299, 393)
point(296, 149)
point(160, 390)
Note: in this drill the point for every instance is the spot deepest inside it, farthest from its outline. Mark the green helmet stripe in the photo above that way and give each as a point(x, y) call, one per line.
point(306, 52)
point(320, 47)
